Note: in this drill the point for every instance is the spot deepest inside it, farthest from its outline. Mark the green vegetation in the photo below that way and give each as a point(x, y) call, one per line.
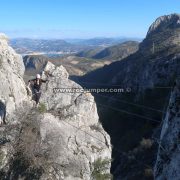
point(95, 127)
point(118, 52)
point(146, 143)
point(27, 161)
point(100, 170)
point(132, 134)
point(148, 173)
point(42, 108)
point(2, 155)
point(90, 52)
point(115, 52)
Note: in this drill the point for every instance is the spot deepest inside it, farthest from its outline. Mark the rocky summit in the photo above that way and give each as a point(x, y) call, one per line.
point(171, 21)
point(162, 35)
point(61, 139)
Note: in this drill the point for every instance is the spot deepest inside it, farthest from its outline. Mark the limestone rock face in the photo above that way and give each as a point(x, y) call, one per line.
point(80, 104)
point(163, 34)
point(72, 126)
point(168, 158)
point(75, 146)
point(10, 57)
point(12, 88)
point(169, 21)
point(61, 141)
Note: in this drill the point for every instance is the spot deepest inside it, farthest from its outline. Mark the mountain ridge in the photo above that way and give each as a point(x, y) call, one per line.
point(162, 35)
point(118, 51)
point(115, 52)
point(148, 72)
point(29, 46)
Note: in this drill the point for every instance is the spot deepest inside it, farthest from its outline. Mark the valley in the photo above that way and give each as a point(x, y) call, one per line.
point(131, 119)
point(89, 90)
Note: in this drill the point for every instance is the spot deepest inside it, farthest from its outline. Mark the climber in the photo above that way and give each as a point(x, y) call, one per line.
point(36, 87)
point(2, 113)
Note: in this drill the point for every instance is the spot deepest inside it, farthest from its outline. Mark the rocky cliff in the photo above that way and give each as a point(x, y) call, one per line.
point(62, 139)
point(168, 158)
point(156, 61)
point(12, 87)
point(162, 34)
point(150, 73)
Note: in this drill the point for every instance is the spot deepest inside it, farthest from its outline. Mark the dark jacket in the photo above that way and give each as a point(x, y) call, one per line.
point(3, 112)
point(36, 85)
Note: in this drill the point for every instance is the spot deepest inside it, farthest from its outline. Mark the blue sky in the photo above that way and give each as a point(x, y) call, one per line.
point(81, 18)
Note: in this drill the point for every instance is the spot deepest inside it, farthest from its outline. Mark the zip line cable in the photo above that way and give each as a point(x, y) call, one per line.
point(129, 113)
point(122, 111)
point(126, 102)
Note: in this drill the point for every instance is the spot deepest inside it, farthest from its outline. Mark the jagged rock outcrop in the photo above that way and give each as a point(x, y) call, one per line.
point(12, 87)
point(163, 35)
point(13, 97)
point(168, 157)
point(62, 139)
point(79, 138)
point(169, 21)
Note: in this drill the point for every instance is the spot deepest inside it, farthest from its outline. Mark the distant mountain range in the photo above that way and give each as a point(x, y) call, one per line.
point(90, 53)
point(104, 42)
point(35, 46)
point(27, 46)
point(75, 65)
point(83, 62)
point(115, 52)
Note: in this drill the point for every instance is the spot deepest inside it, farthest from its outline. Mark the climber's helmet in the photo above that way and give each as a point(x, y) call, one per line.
point(38, 76)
